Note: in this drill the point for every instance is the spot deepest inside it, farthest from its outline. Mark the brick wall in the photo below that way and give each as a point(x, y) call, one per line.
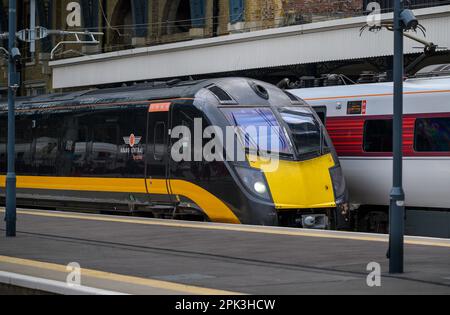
point(323, 6)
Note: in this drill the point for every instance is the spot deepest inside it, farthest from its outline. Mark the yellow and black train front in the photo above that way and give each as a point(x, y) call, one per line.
point(231, 150)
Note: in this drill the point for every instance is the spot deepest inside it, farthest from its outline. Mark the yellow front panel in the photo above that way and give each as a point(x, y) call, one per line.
point(301, 185)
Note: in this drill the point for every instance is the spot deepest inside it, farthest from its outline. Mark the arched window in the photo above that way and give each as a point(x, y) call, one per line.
point(236, 11)
point(44, 17)
point(177, 17)
point(182, 15)
point(90, 10)
point(122, 25)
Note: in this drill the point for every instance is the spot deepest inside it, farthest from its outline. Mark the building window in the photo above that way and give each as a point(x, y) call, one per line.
point(378, 135)
point(432, 135)
point(237, 8)
point(177, 17)
point(35, 90)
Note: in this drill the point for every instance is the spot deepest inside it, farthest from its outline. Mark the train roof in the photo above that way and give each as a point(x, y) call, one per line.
point(176, 89)
point(139, 92)
point(373, 89)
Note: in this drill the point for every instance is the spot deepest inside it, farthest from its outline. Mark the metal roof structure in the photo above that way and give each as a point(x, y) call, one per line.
point(414, 85)
point(301, 44)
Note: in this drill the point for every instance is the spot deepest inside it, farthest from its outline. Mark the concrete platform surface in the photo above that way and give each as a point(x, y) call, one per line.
point(147, 256)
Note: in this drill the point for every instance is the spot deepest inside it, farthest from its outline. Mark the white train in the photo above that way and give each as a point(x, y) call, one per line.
point(359, 121)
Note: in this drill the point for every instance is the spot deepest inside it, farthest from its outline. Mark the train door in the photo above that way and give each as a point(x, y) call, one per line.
point(182, 121)
point(158, 154)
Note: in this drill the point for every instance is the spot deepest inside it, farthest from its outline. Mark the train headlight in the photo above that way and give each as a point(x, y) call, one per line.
point(260, 188)
point(254, 181)
point(339, 185)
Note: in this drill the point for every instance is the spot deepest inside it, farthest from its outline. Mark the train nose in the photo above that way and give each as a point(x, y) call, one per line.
point(301, 184)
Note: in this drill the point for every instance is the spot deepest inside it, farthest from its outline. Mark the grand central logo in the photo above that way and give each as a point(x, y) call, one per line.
point(132, 145)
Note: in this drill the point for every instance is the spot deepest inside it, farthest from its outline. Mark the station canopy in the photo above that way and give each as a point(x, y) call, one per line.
point(302, 44)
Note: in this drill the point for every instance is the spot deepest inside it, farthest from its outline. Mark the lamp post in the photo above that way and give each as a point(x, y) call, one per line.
point(404, 20)
point(13, 84)
point(13, 53)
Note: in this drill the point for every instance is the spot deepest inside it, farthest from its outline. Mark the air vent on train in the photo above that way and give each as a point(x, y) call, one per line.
point(221, 95)
point(292, 97)
point(260, 90)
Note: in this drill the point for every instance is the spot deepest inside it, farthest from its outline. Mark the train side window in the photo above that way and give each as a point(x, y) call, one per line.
point(24, 146)
point(159, 148)
point(103, 151)
point(378, 135)
point(133, 122)
point(73, 154)
point(322, 113)
point(3, 130)
point(46, 134)
point(432, 135)
point(106, 133)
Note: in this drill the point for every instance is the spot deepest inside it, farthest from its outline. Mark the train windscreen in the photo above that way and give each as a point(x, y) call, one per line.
point(260, 130)
point(307, 132)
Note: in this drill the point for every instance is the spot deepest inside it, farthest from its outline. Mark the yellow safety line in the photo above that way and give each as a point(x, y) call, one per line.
point(158, 284)
point(241, 228)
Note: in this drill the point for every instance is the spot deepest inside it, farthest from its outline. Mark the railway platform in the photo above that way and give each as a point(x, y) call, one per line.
point(129, 255)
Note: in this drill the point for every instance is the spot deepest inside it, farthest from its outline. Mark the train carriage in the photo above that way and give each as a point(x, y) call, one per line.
point(359, 121)
point(112, 150)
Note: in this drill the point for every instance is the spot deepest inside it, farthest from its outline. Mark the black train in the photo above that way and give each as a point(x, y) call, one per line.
point(113, 150)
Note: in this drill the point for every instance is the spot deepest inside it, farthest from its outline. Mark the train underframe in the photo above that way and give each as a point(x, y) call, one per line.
point(419, 221)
